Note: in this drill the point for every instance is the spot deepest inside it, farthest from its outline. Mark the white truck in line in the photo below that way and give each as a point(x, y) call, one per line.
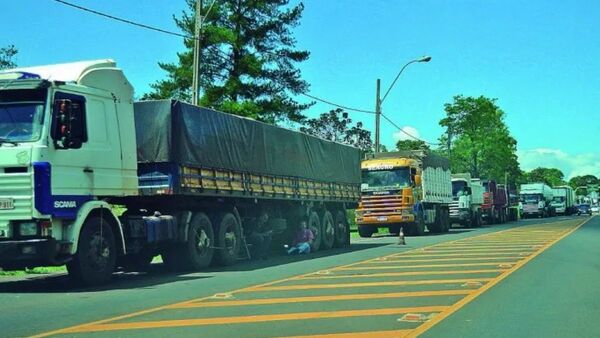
point(467, 194)
point(563, 200)
point(536, 199)
point(193, 181)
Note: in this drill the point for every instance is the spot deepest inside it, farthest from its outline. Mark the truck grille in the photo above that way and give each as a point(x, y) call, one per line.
point(381, 205)
point(454, 208)
point(19, 187)
point(530, 208)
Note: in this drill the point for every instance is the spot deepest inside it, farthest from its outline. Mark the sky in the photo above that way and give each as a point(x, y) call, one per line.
point(539, 59)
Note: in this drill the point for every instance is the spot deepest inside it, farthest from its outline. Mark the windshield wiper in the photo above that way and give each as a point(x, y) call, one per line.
point(3, 140)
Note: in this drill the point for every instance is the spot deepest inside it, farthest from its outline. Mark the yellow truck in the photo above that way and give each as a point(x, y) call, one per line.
point(409, 189)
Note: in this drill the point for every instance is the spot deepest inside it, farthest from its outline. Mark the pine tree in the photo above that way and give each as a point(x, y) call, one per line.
point(248, 59)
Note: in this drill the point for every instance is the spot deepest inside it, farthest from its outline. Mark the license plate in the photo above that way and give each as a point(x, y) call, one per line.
point(7, 203)
point(382, 218)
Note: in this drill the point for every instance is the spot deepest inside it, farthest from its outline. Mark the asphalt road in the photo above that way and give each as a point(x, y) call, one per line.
point(534, 278)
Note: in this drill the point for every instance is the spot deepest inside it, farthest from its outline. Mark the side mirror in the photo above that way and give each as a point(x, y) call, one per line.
point(418, 180)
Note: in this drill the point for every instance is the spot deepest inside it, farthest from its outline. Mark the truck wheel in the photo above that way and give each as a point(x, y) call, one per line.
point(342, 232)
point(95, 260)
point(394, 229)
point(328, 226)
point(438, 225)
point(229, 234)
point(365, 231)
point(197, 251)
point(447, 224)
point(314, 224)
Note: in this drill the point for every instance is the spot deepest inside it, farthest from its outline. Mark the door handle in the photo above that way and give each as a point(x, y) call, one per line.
point(88, 170)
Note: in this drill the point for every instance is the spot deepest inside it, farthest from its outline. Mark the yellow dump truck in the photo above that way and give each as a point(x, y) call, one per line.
point(409, 189)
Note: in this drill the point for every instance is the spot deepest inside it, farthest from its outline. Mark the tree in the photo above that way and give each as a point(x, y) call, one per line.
point(248, 60)
point(583, 181)
point(7, 55)
point(411, 145)
point(477, 140)
point(331, 127)
point(551, 176)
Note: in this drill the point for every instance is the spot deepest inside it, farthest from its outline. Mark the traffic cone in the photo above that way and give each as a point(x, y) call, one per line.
point(401, 240)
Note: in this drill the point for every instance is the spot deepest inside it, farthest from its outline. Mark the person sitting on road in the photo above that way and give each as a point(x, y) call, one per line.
point(302, 241)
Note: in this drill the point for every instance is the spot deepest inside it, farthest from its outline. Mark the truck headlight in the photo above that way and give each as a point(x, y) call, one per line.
point(28, 229)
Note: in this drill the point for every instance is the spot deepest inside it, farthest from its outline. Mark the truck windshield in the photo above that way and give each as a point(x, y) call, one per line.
point(530, 198)
point(458, 187)
point(392, 179)
point(21, 115)
point(559, 199)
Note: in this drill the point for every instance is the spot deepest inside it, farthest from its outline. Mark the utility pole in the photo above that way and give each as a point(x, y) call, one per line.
point(196, 63)
point(377, 115)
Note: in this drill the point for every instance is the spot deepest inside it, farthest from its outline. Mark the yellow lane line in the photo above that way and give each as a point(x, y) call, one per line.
point(425, 266)
point(456, 306)
point(483, 254)
point(369, 334)
point(400, 274)
point(367, 284)
point(450, 250)
point(310, 299)
point(467, 259)
point(252, 319)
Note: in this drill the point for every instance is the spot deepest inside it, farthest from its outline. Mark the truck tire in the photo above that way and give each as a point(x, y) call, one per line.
point(366, 231)
point(447, 224)
point(96, 256)
point(438, 225)
point(329, 228)
point(197, 250)
point(229, 240)
point(342, 232)
point(394, 229)
point(314, 224)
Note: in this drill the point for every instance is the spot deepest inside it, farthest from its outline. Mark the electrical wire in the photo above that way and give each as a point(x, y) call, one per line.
point(406, 133)
point(112, 17)
point(338, 105)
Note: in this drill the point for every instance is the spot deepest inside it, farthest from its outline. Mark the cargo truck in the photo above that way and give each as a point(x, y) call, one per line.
point(467, 198)
point(91, 180)
point(494, 208)
point(536, 199)
point(410, 190)
point(563, 200)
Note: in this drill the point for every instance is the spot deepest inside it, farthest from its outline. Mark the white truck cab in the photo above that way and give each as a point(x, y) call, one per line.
point(67, 139)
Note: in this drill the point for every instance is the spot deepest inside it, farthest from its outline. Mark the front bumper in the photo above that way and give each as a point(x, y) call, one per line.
point(460, 215)
point(19, 254)
point(385, 220)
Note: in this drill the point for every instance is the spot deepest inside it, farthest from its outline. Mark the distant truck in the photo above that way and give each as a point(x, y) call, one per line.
point(563, 200)
point(536, 199)
point(409, 189)
point(189, 183)
point(514, 211)
point(495, 205)
point(467, 198)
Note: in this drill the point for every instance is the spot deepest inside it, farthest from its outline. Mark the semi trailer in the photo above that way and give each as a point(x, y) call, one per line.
point(563, 200)
point(90, 179)
point(409, 189)
point(494, 208)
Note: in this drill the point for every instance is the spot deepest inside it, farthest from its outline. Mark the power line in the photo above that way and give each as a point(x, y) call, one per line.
point(125, 20)
point(406, 133)
point(338, 105)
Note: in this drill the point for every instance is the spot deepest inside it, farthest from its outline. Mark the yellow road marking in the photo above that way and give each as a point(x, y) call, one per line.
point(310, 299)
point(483, 254)
point(252, 319)
point(366, 284)
point(436, 250)
point(423, 266)
point(396, 261)
point(399, 274)
point(456, 306)
point(370, 334)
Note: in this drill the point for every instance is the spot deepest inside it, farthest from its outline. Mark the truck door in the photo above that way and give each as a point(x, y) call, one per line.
point(86, 165)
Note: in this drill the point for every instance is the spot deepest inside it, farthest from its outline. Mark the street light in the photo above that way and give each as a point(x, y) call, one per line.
point(379, 101)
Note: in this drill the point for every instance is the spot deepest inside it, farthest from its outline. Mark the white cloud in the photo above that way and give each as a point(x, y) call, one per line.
point(398, 135)
point(570, 164)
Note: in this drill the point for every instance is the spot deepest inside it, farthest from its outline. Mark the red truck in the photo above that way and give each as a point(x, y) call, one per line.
point(495, 207)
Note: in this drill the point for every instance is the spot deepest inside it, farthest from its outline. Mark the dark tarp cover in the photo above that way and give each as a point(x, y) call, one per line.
point(173, 131)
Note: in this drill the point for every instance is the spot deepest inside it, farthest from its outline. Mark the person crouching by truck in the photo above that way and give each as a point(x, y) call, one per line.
point(302, 241)
point(260, 237)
